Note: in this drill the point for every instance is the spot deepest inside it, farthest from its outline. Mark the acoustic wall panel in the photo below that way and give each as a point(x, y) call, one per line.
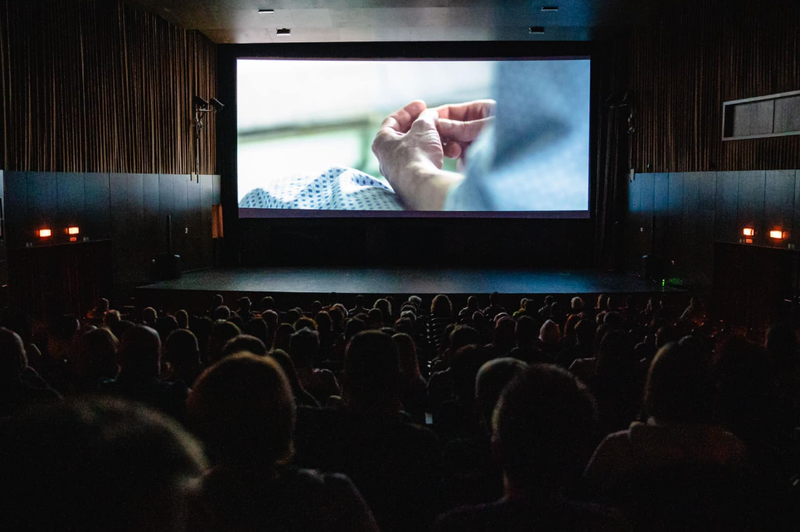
point(751, 200)
point(71, 199)
point(779, 201)
point(727, 207)
point(42, 199)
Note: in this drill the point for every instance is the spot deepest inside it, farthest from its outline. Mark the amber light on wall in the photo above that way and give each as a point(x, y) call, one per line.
point(777, 234)
point(73, 230)
point(748, 231)
point(45, 233)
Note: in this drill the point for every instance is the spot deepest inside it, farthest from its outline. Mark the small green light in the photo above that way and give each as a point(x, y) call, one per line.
point(663, 283)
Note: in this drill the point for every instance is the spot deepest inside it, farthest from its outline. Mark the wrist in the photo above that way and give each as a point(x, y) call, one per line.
point(423, 186)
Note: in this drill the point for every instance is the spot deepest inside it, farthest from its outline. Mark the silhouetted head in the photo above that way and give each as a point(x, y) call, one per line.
point(464, 335)
point(371, 372)
point(221, 313)
point(491, 380)
point(441, 307)
point(283, 336)
point(267, 303)
point(181, 349)
point(182, 317)
point(13, 359)
point(140, 352)
point(407, 354)
point(324, 322)
point(303, 348)
point(258, 327)
point(375, 318)
point(679, 387)
point(99, 465)
point(149, 316)
point(576, 305)
point(543, 429)
point(244, 343)
point(96, 357)
point(221, 333)
point(526, 331)
point(385, 307)
point(242, 409)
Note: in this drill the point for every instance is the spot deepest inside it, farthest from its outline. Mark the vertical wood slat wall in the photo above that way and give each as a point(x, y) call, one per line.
point(697, 56)
point(99, 86)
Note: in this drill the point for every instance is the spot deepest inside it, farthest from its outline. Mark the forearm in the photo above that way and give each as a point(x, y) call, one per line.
point(422, 186)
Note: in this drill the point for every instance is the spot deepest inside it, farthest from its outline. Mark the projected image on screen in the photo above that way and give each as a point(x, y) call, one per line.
point(350, 137)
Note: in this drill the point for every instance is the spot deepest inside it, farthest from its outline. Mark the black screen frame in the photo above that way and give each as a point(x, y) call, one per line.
point(394, 52)
point(245, 237)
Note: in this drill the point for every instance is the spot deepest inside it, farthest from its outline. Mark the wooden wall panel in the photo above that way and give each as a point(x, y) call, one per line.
point(694, 57)
point(99, 86)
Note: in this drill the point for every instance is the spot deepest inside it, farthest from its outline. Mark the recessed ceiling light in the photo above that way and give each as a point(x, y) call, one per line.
point(266, 11)
point(536, 30)
point(284, 32)
point(550, 9)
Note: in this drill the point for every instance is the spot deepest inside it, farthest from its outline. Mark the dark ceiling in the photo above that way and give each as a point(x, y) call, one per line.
point(238, 21)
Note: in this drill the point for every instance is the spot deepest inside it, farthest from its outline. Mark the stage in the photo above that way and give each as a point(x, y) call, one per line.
point(307, 284)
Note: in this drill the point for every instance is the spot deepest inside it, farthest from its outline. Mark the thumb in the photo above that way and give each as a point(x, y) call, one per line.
point(426, 121)
point(461, 131)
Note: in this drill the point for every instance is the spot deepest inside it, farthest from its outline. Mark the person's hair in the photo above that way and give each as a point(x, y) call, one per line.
point(149, 316)
point(544, 426)
point(217, 300)
point(463, 335)
point(305, 323)
point(526, 331)
point(13, 359)
point(244, 303)
point(258, 327)
point(679, 386)
point(385, 307)
point(182, 317)
point(359, 300)
point(407, 355)
point(550, 333)
point(549, 300)
point(140, 352)
point(221, 332)
point(181, 348)
point(493, 297)
point(472, 303)
point(221, 313)
point(576, 304)
point(242, 408)
point(272, 319)
point(490, 381)
point(405, 326)
point(111, 318)
point(267, 303)
point(371, 371)
point(303, 348)
point(283, 336)
point(616, 355)
point(285, 362)
point(503, 335)
point(601, 302)
point(353, 327)
point(324, 322)
point(96, 356)
point(375, 318)
point(165, 325)
point(441, 307)
point(244, 343)
point(100, 465)
point(584, 332)
point(291, 316)
point(614, 319)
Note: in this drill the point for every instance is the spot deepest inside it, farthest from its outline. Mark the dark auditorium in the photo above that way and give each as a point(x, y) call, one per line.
point(399, 266)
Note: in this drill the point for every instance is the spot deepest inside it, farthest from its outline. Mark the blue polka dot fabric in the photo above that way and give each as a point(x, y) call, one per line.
point(336, 189)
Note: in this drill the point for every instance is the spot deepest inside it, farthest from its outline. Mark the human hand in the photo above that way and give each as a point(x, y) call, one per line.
point(410, 152)
point(406, 138)
point(460, 124)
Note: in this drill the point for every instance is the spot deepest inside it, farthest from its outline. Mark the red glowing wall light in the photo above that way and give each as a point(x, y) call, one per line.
point(45, 233)
point(777, 234)
point(748, 231)
point(73, 230)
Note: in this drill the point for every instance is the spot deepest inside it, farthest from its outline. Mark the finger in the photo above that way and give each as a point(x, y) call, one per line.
point(473, 110)
point(461, 131)
point(401, 120)
point(452, 150)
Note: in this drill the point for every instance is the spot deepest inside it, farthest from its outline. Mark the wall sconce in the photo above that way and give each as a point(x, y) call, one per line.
point(777, 234)
point(73, 230)
point(201, 107)
point(44, 233)
point(748, 231)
